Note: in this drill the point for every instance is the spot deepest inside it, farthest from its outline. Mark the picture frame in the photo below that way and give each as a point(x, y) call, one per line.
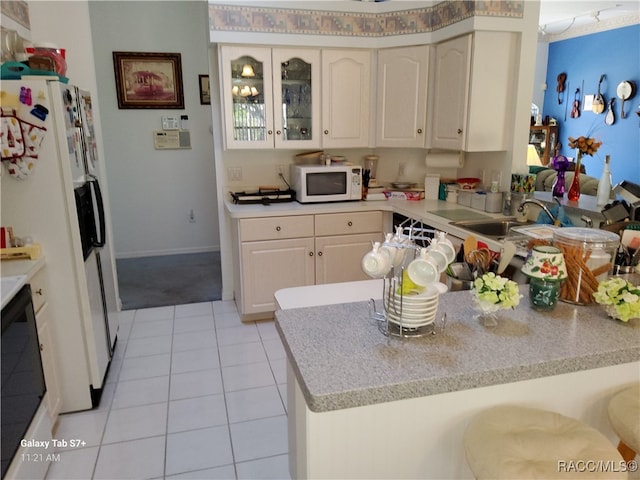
point(148, 80)
point(205, 89)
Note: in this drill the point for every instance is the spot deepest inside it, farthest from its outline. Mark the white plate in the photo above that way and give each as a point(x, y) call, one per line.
point(413, 317)
point(408, 307)
point(430, 292)
point(415, 299)
point(411, 323)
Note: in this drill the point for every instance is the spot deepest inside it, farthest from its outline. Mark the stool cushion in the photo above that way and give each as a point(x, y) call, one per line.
point(512, 442)
point(624, 415)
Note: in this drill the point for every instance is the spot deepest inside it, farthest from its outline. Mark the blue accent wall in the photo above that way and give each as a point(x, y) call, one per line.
point(615, 53)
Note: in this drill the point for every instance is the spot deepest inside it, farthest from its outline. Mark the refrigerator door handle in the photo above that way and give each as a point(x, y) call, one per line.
point(101, 235)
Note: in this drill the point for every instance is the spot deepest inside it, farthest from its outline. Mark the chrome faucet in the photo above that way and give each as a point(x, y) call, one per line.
point(541, 205)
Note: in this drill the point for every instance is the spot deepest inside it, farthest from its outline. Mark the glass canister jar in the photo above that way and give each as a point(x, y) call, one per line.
point(589, 254)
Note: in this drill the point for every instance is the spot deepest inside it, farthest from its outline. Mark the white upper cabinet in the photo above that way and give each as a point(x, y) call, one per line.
point(402, 96)
point(346, 87)
point(271, 97)
point(451, 92)
point(473, 91)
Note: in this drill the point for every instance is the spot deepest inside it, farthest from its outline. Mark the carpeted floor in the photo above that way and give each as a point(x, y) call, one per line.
point(169, 280)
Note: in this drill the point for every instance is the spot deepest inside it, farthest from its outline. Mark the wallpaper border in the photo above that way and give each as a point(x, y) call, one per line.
point(17, 11)
point(319, 22)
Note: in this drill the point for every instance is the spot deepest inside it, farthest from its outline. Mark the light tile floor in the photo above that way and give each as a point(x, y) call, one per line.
point(191, 393)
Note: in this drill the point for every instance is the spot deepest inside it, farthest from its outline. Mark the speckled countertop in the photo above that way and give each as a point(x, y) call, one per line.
point(341, 360)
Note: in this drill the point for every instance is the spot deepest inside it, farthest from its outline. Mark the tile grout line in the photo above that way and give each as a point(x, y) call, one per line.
point(273, 374)
point(224, 396)
point(166, 428)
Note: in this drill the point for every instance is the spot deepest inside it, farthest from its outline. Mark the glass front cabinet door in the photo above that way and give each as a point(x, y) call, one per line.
point(247, 97)
point(270, 97)
point(296, 90)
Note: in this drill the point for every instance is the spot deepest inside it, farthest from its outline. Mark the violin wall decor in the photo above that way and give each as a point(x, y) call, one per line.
point(562, 77)
point(575, 110)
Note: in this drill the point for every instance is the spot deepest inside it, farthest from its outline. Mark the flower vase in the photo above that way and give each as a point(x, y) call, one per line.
point(574, 190)
point(560, 165)
point(559, 185)
point(487, 313)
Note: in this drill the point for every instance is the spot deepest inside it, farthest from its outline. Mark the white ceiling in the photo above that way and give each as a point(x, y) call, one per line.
point(558, 16)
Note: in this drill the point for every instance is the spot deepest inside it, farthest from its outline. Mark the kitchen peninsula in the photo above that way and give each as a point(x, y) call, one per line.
point(362, 405)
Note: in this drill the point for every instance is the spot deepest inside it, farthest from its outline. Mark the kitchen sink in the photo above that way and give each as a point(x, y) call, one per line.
point(495, 228)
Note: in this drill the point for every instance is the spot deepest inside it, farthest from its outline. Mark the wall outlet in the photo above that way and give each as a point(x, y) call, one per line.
point(234, 174)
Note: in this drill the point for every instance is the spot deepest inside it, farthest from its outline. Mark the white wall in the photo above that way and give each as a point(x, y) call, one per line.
point(539, 80)
point(153, 191)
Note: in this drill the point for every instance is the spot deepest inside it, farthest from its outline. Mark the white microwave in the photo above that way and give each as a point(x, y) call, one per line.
point(320, 183)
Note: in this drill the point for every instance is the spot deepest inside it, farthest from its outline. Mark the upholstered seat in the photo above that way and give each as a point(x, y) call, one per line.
point(509, 442)
point(624, 415)
point(546, 177)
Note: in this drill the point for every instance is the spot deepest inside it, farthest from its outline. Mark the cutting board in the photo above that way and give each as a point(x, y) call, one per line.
point(459, 214)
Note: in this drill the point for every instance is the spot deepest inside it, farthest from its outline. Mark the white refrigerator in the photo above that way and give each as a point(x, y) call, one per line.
point(51, 191)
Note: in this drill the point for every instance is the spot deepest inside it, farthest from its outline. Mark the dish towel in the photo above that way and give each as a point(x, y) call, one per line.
point(559, 213)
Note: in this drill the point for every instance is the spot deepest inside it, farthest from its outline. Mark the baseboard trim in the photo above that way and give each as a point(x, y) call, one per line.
point(174, 251)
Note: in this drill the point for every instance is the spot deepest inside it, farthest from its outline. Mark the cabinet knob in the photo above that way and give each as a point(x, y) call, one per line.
point(270, 132)
point(319, 254)
point(326, 132)
point(420, 131)
point(311, 254)
point(459, 131)
point(350, 224)
point(39, 291)
point(278, 132)
point(41, 347)
point(278, 228)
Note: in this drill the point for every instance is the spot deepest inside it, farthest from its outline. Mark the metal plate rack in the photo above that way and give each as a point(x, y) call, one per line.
point(415, 235)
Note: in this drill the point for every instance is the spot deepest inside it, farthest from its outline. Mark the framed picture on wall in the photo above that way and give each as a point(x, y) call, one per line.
point(148, 80)
point(205, 90)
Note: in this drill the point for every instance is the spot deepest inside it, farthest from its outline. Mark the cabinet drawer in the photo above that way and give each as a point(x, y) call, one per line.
point(346, 223)
point(275, 228)
point(38, 290)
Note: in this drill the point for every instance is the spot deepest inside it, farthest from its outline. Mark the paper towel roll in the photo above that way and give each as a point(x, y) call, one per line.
point(444, 159)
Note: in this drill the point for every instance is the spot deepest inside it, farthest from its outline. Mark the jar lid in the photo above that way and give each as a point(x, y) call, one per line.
point(47, 45)
point(587, 236)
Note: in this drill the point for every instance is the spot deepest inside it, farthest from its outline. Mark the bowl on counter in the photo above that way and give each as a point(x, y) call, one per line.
point(403, 185)
point(468, 183)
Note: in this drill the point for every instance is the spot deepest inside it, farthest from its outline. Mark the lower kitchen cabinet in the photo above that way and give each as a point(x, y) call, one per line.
point(289, 251)
point(342, 239)
point(53, 399)
point(272, 265)
point(338, 259)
